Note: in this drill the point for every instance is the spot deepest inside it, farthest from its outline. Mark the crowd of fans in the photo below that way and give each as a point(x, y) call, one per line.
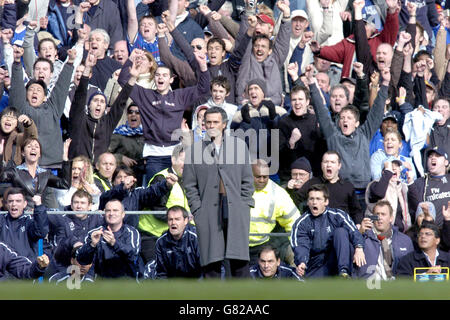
point(340, 110)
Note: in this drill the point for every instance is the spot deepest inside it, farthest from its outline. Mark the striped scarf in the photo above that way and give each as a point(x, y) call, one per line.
point(126, 130)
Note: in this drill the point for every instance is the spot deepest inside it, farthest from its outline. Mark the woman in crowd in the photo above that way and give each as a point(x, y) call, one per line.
point(392, 145)
point(32, 178)
point(390, 187)
point(145, 80)
point(82, 177)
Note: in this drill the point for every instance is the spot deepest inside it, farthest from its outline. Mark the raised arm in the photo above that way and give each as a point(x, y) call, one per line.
point(202, 88)
point(38, 227)
point(133, 26)
point(375, 115)
point(17, 92)
point(180, 40)
point(59, 93)
point(281, 45)
point(362, 48)
point(327, 126)
point(29, 56)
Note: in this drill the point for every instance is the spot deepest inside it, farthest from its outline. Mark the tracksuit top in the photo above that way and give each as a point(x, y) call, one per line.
point(19, 266)
point(178, 258)
point(22, 234)
point(311, 236)
point(115, 261)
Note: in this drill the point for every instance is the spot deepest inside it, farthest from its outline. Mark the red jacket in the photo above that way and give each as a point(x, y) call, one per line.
point(343, 51)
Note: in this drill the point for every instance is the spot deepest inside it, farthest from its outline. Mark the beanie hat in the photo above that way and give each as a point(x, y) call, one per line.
point(302, 164)
point(260, 83)
point(96, 94)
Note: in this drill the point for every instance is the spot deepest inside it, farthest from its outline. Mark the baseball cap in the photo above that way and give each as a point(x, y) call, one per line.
point(390, 115)
point(437, 150)
point(352, 80)
point(266, 19)
point(299, 13)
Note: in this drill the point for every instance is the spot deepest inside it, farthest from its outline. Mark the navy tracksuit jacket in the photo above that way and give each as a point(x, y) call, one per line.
point(115, 261)
point(22, 234)
point(178, 258)
point(19, 266)
point(283, 271)
point(313, 240)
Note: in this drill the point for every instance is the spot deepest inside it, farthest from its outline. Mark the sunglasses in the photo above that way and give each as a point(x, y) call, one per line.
point(199, 47)
point(133, 112)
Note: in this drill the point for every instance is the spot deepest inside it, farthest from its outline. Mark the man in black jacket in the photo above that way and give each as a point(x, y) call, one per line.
point(342, 192)
point(299, 134)
point(428, 255)
point(91, 133)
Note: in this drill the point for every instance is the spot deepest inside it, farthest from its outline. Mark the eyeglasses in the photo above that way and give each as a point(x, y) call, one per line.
point(10, 117)
point(427, 234)
point(133, 112)
point(197, 46)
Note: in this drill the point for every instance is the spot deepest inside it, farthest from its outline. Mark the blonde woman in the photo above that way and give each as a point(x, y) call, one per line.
point(82, 177)
point(145, 80)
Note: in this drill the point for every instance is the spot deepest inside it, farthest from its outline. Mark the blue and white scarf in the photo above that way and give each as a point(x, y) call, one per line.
point(126, 130)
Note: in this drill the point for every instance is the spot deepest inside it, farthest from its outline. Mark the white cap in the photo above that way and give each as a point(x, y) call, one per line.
point(299, 13)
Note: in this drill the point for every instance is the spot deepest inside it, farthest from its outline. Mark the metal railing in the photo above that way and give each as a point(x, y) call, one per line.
point(60, 212)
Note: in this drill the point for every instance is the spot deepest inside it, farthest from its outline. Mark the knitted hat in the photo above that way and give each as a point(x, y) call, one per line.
point(302, 164)
point(260, 83)
point(96, 94)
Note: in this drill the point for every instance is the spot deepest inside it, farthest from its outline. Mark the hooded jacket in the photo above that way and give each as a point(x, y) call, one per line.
point(267, 70)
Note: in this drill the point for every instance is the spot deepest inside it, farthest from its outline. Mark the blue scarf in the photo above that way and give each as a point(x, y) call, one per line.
point(126, 130)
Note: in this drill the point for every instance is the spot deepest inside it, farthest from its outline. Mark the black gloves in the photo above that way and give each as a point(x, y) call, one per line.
point(245, 112)
point(271, 107)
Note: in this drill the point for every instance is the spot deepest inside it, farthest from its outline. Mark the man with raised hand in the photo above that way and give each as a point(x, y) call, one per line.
point(113, 247)
point(162, 109)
